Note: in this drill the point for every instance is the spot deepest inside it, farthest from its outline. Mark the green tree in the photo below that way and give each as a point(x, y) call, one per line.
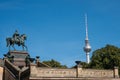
point(106, 58)
point(84, 65)
point(54, 64)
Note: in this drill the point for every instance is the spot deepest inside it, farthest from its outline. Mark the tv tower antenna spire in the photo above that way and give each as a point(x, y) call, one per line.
point(87, 47)
point(86, 26)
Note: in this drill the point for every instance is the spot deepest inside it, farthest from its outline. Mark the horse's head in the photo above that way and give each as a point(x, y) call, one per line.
point(24, 36)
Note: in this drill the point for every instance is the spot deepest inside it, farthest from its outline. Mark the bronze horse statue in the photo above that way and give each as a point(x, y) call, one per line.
point(20, 41)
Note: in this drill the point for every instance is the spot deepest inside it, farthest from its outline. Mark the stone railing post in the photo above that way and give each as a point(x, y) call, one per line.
point(116, 75)
point(33, 69)
point(37, 60)
point(79, 68)
point(5, 57)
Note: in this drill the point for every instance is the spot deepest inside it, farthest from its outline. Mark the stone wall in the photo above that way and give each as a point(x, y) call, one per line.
point(41, 72)
point(52, 72)
point(95, 73)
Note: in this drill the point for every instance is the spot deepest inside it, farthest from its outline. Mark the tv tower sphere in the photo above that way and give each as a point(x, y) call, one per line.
point(87, 47)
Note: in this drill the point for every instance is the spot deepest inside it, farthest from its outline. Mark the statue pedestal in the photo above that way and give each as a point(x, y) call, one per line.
point(19, 57)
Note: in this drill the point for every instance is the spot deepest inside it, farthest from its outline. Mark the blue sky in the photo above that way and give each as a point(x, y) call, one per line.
point(55, 29)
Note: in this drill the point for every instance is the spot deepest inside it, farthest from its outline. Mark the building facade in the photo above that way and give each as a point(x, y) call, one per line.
point(28, 69)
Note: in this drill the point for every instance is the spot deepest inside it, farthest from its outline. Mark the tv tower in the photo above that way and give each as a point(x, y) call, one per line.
point(87, 47)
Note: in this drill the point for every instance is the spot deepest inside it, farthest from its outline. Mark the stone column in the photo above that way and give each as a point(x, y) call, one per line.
point(116, 75)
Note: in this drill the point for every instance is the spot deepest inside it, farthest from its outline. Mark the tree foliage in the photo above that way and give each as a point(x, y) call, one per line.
point(106, 58)
point(54, 64)
point(84, 65)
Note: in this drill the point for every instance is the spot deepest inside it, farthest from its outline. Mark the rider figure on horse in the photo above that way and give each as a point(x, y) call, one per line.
point(16, 36)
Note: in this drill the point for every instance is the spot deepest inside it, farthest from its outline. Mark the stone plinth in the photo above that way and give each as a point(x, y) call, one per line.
point(19, 57)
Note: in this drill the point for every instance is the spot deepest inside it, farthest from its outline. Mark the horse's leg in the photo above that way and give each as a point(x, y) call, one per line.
point(9, 47)
point(23, 47)
point(13, 46)
point(8, 43)
point(26, 47)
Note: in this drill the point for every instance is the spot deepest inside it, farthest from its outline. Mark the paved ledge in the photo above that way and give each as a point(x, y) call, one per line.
point(74, 78)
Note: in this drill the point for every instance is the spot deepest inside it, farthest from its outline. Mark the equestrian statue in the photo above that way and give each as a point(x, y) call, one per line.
point(16, 39)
